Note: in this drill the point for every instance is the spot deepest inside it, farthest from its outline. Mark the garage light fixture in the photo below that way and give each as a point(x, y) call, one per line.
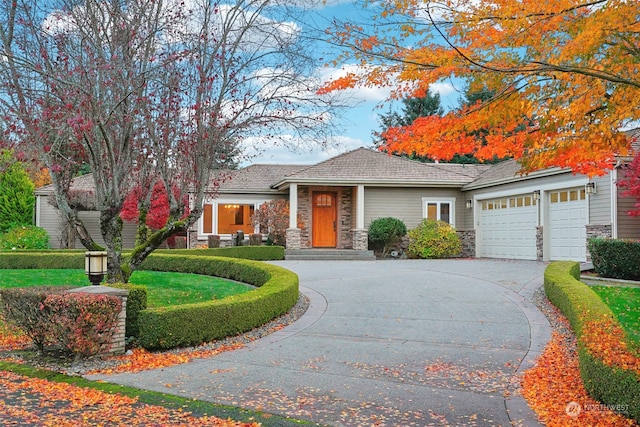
point(590, 188)
point(536, 195)
point(469, 204)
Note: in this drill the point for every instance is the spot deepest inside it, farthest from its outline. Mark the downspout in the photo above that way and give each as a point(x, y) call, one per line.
point(614, 199)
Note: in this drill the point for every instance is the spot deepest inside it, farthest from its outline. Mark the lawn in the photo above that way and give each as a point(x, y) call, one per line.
point(625, 303)
point(163, 289)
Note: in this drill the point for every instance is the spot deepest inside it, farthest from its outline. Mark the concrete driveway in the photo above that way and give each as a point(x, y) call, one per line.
point(385, 343)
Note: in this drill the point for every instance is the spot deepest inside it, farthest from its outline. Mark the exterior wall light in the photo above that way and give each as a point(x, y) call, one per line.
point(95, 266)
point(590, 188)
point(469, 204)
point(536, 195)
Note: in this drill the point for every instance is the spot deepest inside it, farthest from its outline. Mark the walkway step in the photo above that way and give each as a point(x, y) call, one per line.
point(329, 254)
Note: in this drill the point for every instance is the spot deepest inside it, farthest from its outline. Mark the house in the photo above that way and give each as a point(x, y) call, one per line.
point(498, 213)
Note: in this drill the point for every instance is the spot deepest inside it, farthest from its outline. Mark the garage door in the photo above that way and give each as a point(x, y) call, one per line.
point(567, 220)
point(508, 227)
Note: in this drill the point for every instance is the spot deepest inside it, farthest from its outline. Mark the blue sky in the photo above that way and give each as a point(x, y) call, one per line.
point(360, 120)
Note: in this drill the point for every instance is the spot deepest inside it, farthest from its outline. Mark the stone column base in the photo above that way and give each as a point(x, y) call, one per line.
point(293, 238)
point(360, 239)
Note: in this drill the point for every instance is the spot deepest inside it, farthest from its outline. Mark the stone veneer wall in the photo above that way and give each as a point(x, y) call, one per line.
point(360, 238)
point(468, 241)
point(539, 243)
point(345, 218)
point(598, 230)
point(304, 215)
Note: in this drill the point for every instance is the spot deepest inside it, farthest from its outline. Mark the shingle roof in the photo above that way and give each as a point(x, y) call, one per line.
point(508, 171)
point(367, 166)
point(254, 178)
point(81, 183)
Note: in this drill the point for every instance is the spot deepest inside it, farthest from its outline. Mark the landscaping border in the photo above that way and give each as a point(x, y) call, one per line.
point(191, 324)
point(611, 385)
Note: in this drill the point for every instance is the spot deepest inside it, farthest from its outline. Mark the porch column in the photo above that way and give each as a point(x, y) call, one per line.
point(293, 232)
point(360, 235)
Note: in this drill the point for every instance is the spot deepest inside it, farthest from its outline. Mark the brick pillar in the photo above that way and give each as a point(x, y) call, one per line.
point(118, 343)
point(360, 238)
point(293, 238)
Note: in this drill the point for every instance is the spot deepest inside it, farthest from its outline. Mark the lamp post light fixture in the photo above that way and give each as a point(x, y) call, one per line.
point(95, 266)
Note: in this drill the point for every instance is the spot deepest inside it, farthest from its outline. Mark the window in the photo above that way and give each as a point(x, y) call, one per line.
point(227, 218)
point(232, 218)
point(442, 210)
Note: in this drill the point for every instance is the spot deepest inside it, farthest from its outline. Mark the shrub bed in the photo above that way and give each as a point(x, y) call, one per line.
point(609, 366)
point(257, 253)
point(192, 324)
point(615, 258)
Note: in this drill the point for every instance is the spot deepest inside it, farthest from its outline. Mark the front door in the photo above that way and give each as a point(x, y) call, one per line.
point(323, 230)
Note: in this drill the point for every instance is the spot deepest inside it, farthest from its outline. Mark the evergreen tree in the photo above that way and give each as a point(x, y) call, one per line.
point(16, 193)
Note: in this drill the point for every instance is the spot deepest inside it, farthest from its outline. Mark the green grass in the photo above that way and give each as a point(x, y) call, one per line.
point(163, 289)
point(625, 304)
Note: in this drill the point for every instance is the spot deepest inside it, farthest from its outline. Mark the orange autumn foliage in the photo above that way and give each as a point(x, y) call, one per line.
point(554, 390)
point(605, 339)
point(62, 404)
point(563, 75)
point(141, 360)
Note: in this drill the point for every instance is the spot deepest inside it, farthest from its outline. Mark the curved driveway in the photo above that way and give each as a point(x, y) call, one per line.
point(385, 343)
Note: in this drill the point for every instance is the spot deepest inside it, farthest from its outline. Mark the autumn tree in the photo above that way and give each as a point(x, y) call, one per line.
point(565, 69)
point(151, 93)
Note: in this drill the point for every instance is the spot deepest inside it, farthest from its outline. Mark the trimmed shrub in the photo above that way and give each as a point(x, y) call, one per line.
point(256, 253)
point(605, 355)
point(25, 309)
point(615, 258)
point(74, 259)
point(192, 324)
point(136, 302)
point(82, 324)
point(24, 237)
point(386, 232)
point(433, 239)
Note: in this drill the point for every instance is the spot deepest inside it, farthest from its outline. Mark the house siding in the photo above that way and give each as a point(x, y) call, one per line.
point(406, 204)
point(50, 219)
point(628, 226)
point(600, 202)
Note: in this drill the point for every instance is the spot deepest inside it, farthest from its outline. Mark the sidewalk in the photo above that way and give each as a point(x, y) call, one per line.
point(389, 343)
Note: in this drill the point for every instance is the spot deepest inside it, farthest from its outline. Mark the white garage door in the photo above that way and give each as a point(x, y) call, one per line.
point(567, 220)
point(508, 227)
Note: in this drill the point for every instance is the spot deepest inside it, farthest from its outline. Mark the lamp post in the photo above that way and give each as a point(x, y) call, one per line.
point(95, 266)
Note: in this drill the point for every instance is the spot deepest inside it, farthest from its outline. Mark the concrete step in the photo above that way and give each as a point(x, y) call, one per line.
point(328, 254)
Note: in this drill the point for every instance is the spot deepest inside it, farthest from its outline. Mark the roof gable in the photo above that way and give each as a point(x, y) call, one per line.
point(368, 166)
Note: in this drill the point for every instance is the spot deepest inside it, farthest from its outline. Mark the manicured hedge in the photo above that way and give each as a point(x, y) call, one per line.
point(191, 324)
point(257, 253)
point(615, 258)
point(74, 259)
point(581, 305)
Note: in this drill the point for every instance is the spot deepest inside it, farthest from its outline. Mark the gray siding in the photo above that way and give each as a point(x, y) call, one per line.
point(406, 203)
point(628, 226)
point(600, 203)
point(50, 219)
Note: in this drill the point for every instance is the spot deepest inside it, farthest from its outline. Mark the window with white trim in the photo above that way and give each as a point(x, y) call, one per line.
point(439, 209)
point(227, 218)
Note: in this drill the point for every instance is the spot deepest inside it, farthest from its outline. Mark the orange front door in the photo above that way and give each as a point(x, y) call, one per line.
point(323, 230)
